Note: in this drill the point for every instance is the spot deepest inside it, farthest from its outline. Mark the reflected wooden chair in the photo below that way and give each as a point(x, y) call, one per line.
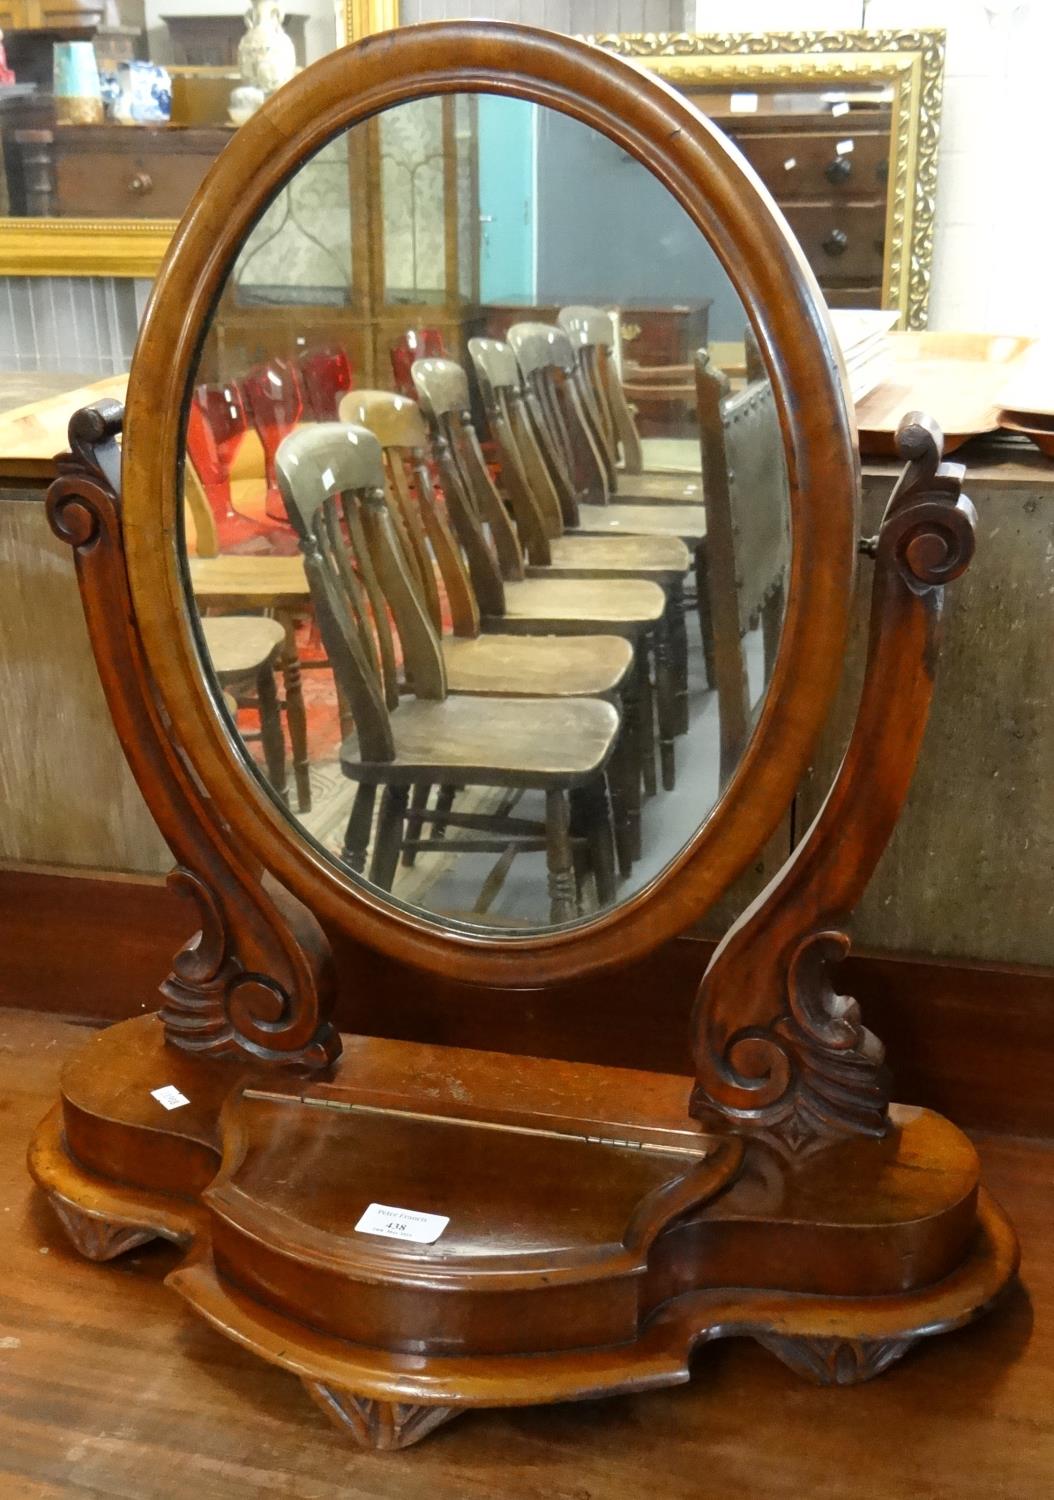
point(554, 398)
point(492, 664)
point(371, 614)
point(270, 586)
point(591, 332)
point(244, 651)
point(748, 541)
point(542, 601)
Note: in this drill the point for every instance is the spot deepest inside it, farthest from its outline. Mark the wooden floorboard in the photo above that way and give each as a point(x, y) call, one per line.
point(109, 1386)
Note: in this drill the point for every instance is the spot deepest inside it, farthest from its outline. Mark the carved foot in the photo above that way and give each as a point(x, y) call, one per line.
point(834, 1361)
point(95, 1236)
point(381, 1425)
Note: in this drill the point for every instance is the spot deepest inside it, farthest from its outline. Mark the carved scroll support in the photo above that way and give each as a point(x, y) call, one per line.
point(380, 1425)
point(257, 977)
point(779, 1054)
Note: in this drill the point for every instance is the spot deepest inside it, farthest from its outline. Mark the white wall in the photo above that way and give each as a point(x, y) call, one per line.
point(995, 209)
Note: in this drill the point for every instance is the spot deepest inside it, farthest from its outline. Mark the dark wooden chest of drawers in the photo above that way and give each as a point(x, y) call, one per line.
point(117, 171)
point(829, 175)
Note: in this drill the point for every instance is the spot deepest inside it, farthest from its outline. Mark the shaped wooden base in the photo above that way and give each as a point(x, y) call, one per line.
point(596, 1236)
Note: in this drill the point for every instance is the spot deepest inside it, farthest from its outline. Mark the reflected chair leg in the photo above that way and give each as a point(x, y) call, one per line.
point(621, 768)
point(357, 833)
point(702, 605)
point(679, 655)
point(634, 757)
point(599, 832)
point(389, 836)
point(666, 704)
point(578, 823)
point(271, 729)
point(414, 822)
point(444, 802)
point(562, 907)
point(647, 720)
point(295, 715)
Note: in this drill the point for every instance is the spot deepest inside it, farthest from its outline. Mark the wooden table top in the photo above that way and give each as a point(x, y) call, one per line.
point(109, 1385)
point(35, 409)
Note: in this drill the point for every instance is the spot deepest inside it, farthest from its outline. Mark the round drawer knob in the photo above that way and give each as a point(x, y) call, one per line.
point(836, 243)
point(141, 184)
point(838, 169)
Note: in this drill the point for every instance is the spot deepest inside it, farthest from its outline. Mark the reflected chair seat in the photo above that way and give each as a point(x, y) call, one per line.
point(579, 606)
point(464, 741)
point(539, 665)
point(658, 489)
point(658, 558)
point(687, 522)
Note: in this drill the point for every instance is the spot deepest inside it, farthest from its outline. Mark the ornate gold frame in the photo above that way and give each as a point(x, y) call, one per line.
point(912, 61)
point(132, 247)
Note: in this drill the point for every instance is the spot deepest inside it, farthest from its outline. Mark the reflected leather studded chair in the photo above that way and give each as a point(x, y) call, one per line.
point(748, 545)
point(409, 729)
point(491, 664)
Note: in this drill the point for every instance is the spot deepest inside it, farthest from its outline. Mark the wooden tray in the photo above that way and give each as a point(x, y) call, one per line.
point(1029, 388)
point(956, 378)
point(1031, 425)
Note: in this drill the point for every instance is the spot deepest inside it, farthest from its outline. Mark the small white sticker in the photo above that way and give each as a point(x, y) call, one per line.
point(790, 163)
point(841, 108)
point(169, 1097)
point(843, 148)
point(402, 1224)
point(743, 104)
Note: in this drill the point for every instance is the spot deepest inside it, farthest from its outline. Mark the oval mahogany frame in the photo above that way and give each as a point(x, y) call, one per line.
point(720, 192)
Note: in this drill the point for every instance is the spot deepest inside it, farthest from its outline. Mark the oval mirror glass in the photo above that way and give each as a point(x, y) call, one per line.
point(486, 513)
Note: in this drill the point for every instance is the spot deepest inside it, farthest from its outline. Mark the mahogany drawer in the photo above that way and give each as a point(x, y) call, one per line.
point(127, 171)
point(842, 241)
point(796, 164)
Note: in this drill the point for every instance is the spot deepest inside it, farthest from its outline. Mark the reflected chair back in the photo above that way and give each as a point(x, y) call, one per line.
point(399, 427)
point(748, 543)
point(591, 331)
point(325, 375)
point(487, 535)
point(415, 343)
point(275, 401)
point(554, 400)
point(372, 620)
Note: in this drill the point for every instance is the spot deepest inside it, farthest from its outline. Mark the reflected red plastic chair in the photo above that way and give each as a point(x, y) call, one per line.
point(275, 401)
point(415, 343)
point(216, 425)
point(325, 374)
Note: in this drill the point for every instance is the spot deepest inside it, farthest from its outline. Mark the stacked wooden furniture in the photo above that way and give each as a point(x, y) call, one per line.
point(416, 1233)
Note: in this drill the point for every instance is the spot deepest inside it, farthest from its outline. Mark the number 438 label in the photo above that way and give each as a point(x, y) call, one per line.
point(402, 1224)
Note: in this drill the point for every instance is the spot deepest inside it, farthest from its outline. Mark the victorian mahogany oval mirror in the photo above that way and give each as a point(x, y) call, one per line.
point(474, 581)
point(450, 377)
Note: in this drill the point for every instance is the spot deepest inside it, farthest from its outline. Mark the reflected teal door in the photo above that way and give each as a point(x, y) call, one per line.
point(507, 253)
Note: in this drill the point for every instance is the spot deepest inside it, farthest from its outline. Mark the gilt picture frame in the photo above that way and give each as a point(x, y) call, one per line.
point(910, 62)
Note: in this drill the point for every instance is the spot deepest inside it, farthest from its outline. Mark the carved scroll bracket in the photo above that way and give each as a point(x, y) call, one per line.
point(257, 977)
point(779, 1053)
